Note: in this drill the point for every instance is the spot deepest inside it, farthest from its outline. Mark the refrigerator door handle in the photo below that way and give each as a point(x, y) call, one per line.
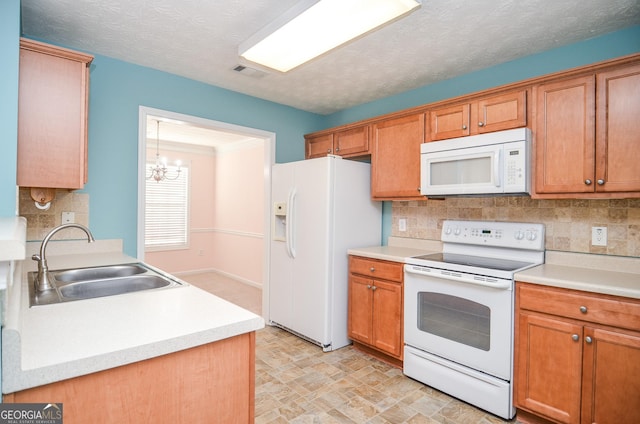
point(290, 227)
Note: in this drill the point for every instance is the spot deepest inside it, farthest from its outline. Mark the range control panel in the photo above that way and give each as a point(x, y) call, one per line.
point(518, 235)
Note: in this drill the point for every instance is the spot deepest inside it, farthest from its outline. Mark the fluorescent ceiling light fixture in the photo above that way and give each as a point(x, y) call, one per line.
point(314, 27)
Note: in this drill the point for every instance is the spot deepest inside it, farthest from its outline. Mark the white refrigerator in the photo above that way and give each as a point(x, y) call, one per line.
point(320, 208)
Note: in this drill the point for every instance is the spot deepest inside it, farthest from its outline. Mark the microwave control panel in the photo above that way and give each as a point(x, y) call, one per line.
point(515, 167)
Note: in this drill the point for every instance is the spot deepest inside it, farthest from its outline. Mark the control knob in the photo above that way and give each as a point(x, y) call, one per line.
point(519, 235)
point(531, 235)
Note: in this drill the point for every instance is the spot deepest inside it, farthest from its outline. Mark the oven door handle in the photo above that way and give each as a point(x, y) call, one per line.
point(456, 276)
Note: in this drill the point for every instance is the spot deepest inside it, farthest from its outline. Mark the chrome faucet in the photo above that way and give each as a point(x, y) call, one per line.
point(42, 279)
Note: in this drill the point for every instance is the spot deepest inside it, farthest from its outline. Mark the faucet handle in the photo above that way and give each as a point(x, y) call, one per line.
point(36, 257)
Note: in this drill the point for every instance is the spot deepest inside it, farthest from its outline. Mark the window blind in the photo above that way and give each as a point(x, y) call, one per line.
point(167, 211)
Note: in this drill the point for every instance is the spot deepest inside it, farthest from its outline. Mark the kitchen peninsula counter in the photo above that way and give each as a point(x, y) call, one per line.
point(49, 343)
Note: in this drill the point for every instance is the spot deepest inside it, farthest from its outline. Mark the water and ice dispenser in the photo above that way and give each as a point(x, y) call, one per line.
point(279, 221)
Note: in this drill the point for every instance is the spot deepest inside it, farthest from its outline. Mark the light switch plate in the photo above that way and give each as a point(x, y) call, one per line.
point(598, 236)
point(402, 224)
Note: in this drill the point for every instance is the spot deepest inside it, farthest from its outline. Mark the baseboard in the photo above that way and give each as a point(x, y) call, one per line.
point(223, 273)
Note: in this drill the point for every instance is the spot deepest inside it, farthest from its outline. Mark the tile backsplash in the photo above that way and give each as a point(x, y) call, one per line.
point(567, 222)
point(40, 222)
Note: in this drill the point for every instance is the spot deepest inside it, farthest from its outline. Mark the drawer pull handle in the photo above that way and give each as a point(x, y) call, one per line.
point(588, 339)
point(372, 269)
point(583, 309)
point(575, 337)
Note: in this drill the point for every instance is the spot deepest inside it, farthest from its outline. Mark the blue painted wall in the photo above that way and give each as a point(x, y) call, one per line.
point(119, 88)
point(9, 58)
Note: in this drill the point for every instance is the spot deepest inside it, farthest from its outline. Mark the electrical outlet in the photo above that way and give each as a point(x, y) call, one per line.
point(68, 217)
point(402, 224)
point(598, 236)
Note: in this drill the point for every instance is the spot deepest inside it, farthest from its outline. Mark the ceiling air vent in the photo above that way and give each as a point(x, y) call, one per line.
point(249, 72)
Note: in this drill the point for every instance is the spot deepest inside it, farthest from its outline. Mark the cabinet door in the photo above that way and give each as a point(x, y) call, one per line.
point(360, 307)
point(502, 112)
point(449, 122)
point(549, 358)
point(320, 146)
point(611, 375)
point(52, 117)
point(352, 142)
point(565, 136)
point(387, 317)
point(618, 137)
point(395, 158)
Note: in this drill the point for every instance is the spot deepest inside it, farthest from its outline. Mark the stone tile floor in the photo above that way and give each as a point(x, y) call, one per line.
point(298, 383)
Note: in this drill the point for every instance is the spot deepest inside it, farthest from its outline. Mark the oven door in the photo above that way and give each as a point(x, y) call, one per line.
point(467, 323)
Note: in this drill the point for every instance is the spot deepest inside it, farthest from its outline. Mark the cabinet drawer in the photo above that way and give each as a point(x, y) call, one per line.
point(601, 309)
point(376, 268)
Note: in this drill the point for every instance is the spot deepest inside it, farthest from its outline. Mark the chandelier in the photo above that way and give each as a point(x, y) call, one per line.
point(159, 171)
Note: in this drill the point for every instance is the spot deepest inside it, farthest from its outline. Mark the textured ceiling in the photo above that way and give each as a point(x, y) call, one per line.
point(198, 39)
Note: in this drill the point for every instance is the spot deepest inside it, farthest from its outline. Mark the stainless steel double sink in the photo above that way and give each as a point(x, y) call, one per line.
point(100, 281)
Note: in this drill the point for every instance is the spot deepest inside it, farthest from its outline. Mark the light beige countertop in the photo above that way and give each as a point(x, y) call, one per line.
point(398, 249)
point(605, 274)
point(48, 343)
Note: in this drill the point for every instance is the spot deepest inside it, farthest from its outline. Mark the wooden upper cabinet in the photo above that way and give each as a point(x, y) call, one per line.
point(348, 143)
point(618, 130)
point(494, 113)
point(354, 141)
point(52, 116)
point(318, 146)
point(449, 122)
point(395, 157)
point(565, 135)
point(587, 135)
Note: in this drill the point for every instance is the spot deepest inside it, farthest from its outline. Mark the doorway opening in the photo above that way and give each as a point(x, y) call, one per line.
point(228, 167)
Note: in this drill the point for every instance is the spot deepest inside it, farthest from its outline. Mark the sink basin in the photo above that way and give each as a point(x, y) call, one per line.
point(112, 286)
point(97, 273)
point(91, 282)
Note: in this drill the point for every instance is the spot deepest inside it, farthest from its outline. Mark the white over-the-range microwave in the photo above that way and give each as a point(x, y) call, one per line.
point(492, 163)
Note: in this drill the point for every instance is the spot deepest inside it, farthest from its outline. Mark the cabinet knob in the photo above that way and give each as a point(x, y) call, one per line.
point(481, 124)
point(600, 182)
point(583, 309)
point(328, 150)
point(372, 269)
point(588, 339)
point(337, 149)
point(368, 286)
point(464, 127)
point(587, 181)
point(575, 337)
point(418, 189)
point(373, 287)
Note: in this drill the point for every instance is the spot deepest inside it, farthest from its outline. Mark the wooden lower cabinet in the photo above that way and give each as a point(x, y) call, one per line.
point(376, 307)
point(209, 383)
point(577, 356)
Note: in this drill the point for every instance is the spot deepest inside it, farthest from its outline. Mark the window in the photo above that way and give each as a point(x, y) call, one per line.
point(167, 212)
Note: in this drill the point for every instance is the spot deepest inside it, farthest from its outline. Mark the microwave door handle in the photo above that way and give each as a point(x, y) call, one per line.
point(496, 167)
